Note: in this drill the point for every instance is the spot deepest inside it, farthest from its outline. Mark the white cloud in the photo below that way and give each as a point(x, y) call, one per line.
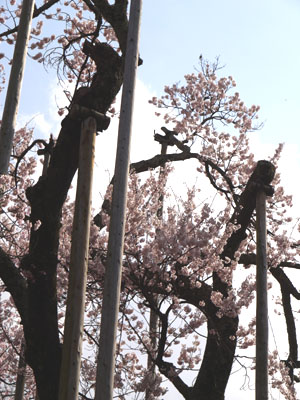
point(142, 142)
point(48, 121)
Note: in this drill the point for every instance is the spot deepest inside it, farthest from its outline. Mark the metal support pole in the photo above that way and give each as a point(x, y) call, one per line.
point(111, 294)
point(71, 359)
point(14, 86)
point(261, 377)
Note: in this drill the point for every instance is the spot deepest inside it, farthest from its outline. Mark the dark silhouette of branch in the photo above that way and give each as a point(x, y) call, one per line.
point(36, 13)
point(287, 290)
point(261, 177)
point(14, 282)
point(23, 154)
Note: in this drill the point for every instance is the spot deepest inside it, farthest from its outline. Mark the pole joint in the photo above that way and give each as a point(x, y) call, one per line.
point(78, 112)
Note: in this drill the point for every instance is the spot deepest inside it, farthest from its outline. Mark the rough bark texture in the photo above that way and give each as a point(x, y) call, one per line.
point(216, 366)
point(43, 350)
point(219, 352)
point(261, 177)
point(36, 299)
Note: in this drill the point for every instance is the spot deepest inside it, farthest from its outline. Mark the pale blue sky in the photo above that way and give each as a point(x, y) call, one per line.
point(258, 41)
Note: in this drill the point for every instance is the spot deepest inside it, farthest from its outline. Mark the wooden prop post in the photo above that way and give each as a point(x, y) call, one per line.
point(111, 294)
point(70, 368)
point(261, 377)
point(261, 373)
point(153, 318)
point(20, 383)
point(14, 86)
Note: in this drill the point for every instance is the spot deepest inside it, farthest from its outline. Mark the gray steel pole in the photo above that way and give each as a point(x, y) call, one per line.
point(14, 86)
point(261, 376)
point(111, 294)
point(71, 358)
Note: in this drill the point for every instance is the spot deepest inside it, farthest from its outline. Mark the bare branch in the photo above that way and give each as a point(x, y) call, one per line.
point(36, 13)
point(285, 283)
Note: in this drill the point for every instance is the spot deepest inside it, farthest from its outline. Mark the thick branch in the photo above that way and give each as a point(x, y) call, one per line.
point(277, 272)
point(287, 289)
point(250, 258)
point(15, 283)
point(169, 371)
point(160, 160)
point(290, 325)
point(288, 264)
point(247, 259)
point(163, 334)
point(261, 177)
point(94, 9)
point(116, 16)
point(285, 283)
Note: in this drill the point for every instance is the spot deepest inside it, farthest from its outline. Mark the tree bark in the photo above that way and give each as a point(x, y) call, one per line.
point(216, 366)
point(36, 299)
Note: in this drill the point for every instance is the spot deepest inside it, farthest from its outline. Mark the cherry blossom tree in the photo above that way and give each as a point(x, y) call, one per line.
point(189, 261)
point(36, 295)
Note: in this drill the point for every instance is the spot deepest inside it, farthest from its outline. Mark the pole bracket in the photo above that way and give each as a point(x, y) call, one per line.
point(78, 112)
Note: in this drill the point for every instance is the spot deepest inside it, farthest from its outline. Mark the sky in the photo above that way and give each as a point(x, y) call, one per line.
point(257, 42)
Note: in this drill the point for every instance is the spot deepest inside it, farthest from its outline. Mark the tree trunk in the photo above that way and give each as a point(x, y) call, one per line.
point(46, 197)
point(217, 361)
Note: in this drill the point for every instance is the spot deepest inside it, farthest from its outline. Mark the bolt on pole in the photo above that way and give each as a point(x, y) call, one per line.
point(261, 374)
point(12, 99)
point(71, 358)
point(111, 294)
